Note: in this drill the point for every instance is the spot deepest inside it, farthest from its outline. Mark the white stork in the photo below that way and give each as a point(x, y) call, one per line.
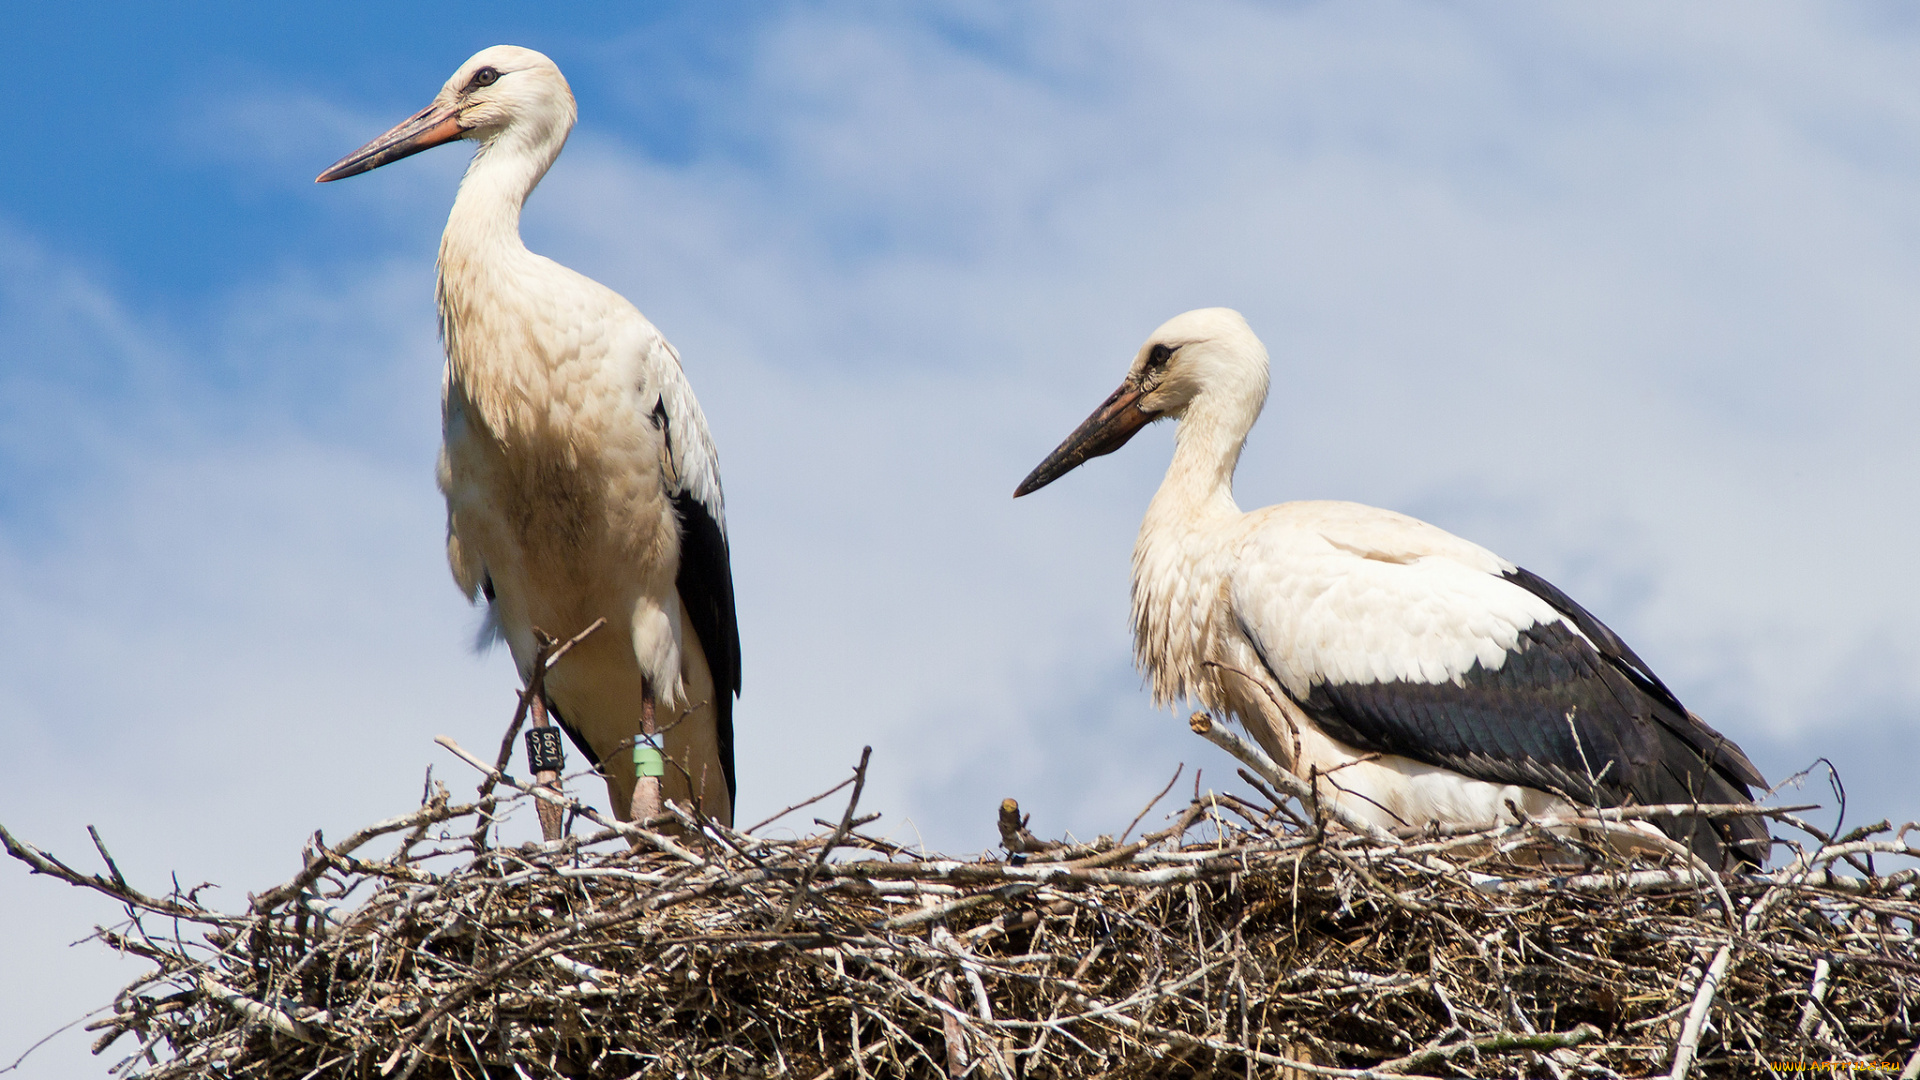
point(1421, 677)
point(580, 479)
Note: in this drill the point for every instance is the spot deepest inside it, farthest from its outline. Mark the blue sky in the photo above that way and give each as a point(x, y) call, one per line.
point(1624, 293)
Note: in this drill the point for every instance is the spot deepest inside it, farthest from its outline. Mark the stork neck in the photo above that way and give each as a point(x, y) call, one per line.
point(1199, 482)
point(486, 212)
point(481, 282)
point(1176, 571)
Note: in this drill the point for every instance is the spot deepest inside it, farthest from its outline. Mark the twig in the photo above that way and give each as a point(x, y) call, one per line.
point(543, 662)
point(1014, 835)
point(1548, 1040)
point(1689, 1041)
point(430, 814)
point(254, 1010)
point(798, 806)
point(628, 829)
point(1155, 801)
point(1255, 758)
point(804, 891)
point(101, 846)
point(42, 863)
point(52, 1035)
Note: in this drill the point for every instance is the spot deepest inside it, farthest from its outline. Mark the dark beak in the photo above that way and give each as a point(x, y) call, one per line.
point(1107, 430)
point(424, 130)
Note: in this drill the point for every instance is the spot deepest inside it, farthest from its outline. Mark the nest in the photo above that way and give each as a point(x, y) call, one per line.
point(1251, 935)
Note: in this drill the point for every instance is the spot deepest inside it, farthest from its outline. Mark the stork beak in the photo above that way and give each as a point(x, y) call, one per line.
point(424, 130)
point(1107, 430)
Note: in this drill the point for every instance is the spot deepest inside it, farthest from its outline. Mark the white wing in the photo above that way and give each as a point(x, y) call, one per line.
point(1344, 593)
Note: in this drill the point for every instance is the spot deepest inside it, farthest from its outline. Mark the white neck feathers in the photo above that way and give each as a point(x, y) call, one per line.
point(1183, 554)
point(484, 273)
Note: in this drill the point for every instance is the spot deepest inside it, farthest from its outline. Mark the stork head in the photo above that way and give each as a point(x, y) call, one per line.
point(505, 93)
point(1205, 362)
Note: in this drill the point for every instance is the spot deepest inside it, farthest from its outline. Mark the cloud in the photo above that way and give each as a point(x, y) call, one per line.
point(1620, 295)
point(216, 589)
point(1627, 311)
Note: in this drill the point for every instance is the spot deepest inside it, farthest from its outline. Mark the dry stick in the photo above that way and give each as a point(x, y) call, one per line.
point(1689, 1041)
point(42, 863)
point(1255, 758)
point(1792, 877)
point(943, 938)
point(1549, 1040)
point(1145, 810)
point(970, 873)
point(698, 824)
point(100, 846)
point(1635, 881)
point(935, 914)
point(799, 805)
point(1221, 1046)
point(526, 953)
point(1278, 801)
point(254, 1010)
point(328, 856)
point(956, 1023)
point(1822, 969)
point(526, 698)
point(99, 1045)
point(545, 794)
point(951, 1029)
point(840, 833)
point(856, 1061)
point(1014, 835)
point(1079, 972)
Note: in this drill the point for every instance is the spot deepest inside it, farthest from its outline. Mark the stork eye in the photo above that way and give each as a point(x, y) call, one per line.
point(1159, 355)
point(486, 76)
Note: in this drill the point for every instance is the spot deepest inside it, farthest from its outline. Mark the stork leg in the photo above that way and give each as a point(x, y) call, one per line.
point(552, 816)
point(649, 764)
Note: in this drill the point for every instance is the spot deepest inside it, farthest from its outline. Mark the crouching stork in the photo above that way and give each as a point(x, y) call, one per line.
point(1418, 677)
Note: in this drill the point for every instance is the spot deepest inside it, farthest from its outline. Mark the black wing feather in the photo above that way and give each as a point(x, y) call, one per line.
point(1594, 726)
point(705, 582)
point(1714, 747)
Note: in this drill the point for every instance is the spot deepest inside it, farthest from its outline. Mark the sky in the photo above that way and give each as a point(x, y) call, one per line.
point(1622, 292)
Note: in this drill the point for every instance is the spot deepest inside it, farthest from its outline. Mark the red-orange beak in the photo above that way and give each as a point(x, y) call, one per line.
point(1107, 430)
point(425, 129)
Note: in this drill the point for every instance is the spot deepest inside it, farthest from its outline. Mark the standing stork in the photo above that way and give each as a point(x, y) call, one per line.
point(1420, 677)
point(580, 480)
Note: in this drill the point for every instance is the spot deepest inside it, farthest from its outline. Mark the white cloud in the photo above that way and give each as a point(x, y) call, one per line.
point(1619, 292)
point(1630, 308)
point(214, 621)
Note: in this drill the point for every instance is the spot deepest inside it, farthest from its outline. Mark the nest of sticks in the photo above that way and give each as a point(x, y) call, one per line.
point(1255, 934)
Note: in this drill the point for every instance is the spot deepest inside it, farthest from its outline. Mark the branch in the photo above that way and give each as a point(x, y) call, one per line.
point(548, 795)
point(1255, 758)
point(1689, 1042)
point(436, 811)
point(1548, 1040)
point(840, 833)
point(1014, 835)
point(42, 863)
point(266, 1014)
